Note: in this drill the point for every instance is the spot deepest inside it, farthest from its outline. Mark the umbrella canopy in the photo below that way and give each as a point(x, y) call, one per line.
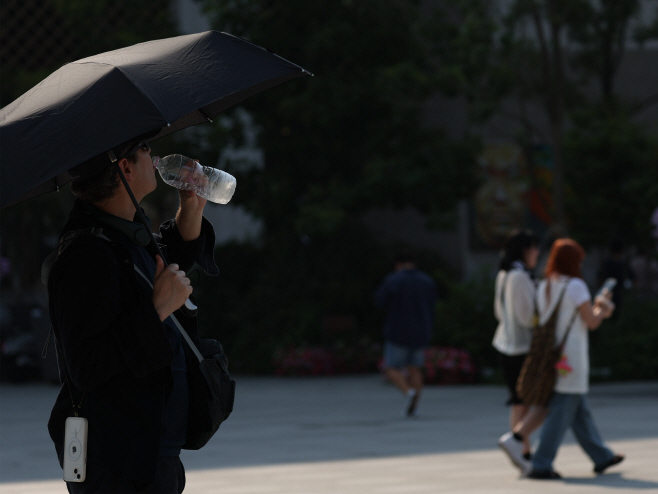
point(94, 104)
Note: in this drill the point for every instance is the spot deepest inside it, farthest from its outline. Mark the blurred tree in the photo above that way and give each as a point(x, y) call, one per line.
point(613, 177)
point(547, 53)
point(350, 139)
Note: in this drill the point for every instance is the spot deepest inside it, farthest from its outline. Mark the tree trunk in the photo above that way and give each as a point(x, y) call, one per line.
point(553, 72)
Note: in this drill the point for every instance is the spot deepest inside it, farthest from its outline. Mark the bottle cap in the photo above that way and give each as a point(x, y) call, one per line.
point(156, 161)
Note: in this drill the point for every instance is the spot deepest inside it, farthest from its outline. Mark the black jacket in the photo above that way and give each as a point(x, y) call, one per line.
point(115, 349)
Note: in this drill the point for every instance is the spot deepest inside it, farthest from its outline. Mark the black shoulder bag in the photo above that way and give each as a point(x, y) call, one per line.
point(211, 403)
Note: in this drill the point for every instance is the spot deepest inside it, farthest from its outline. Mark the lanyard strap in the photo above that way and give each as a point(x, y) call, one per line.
point(66, 371)
point(173, 318)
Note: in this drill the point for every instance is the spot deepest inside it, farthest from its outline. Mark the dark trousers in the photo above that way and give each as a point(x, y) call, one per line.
point(169, 479)
point(511, 366)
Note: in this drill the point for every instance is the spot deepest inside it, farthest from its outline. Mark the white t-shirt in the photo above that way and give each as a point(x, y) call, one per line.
point(514, 310)
point(576, 347)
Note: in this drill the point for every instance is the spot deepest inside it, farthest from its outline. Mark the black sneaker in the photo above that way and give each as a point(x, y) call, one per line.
point(612, 461)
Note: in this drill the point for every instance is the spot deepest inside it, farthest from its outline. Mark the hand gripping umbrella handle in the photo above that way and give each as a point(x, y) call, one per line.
point(189, 309)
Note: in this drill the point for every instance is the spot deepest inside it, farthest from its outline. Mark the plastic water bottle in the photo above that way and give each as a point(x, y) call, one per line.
point(187, 174)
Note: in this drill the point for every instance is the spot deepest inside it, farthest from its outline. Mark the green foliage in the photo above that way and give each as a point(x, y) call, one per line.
point(104, 25)
point(627, 344)
point(350, 138)
point(465, 317)
point(470, 59)
point(548, 54)
point(614, 160)
point(265, 298)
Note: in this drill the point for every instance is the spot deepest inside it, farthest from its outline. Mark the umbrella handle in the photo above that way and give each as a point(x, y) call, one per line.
point(189, 309)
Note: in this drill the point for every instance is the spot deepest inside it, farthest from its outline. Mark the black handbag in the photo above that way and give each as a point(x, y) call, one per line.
point(212, 391)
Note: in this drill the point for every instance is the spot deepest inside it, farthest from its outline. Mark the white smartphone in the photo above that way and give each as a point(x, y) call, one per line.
point(608, 284)
point(75, 449)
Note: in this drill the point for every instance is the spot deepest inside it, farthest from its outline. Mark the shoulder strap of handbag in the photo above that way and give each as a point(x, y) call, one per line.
point(189, 341)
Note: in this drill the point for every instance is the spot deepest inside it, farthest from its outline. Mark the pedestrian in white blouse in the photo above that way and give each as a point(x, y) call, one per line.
point(514, 308)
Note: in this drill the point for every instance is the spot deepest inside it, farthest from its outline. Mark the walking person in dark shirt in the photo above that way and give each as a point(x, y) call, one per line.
point(408, 295)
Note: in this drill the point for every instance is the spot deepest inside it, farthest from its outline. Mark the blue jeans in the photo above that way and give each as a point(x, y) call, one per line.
point(564, 411)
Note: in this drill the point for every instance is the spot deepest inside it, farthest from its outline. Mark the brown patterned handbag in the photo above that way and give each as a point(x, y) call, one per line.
point(538, 374)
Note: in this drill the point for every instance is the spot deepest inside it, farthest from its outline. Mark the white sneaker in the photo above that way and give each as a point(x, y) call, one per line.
point(514, 450)
point(411, 403)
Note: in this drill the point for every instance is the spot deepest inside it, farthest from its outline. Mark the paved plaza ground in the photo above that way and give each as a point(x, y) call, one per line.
point(346, 435)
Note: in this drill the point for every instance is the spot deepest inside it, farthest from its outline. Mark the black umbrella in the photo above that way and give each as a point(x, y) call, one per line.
point(94, 104)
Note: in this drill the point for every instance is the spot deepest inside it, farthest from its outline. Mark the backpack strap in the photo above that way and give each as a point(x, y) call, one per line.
point(51, 259)
point(573, 318)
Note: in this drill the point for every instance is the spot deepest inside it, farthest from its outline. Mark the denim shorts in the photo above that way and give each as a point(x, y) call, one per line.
point(397, 356)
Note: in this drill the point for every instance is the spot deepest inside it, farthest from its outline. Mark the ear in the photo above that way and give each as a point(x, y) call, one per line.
point(128, 169)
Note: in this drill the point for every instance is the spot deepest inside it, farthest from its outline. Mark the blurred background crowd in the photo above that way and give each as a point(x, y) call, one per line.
point(435, 126)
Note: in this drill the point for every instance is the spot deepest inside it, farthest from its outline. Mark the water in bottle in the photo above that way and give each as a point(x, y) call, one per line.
point(187, 174)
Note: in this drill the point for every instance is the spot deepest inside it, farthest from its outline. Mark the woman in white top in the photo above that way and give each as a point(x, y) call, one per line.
point(514, 308)
point(576, 314)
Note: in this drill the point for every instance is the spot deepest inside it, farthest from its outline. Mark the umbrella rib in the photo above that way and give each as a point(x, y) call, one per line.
point(141, 90)
point(205, 115)
point(133, 81)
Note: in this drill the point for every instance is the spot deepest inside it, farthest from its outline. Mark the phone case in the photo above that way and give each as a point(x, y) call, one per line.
point(608, 284)
point(75, 449)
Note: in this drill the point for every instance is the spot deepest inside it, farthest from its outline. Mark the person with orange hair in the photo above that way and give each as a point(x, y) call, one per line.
point(568, 407)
